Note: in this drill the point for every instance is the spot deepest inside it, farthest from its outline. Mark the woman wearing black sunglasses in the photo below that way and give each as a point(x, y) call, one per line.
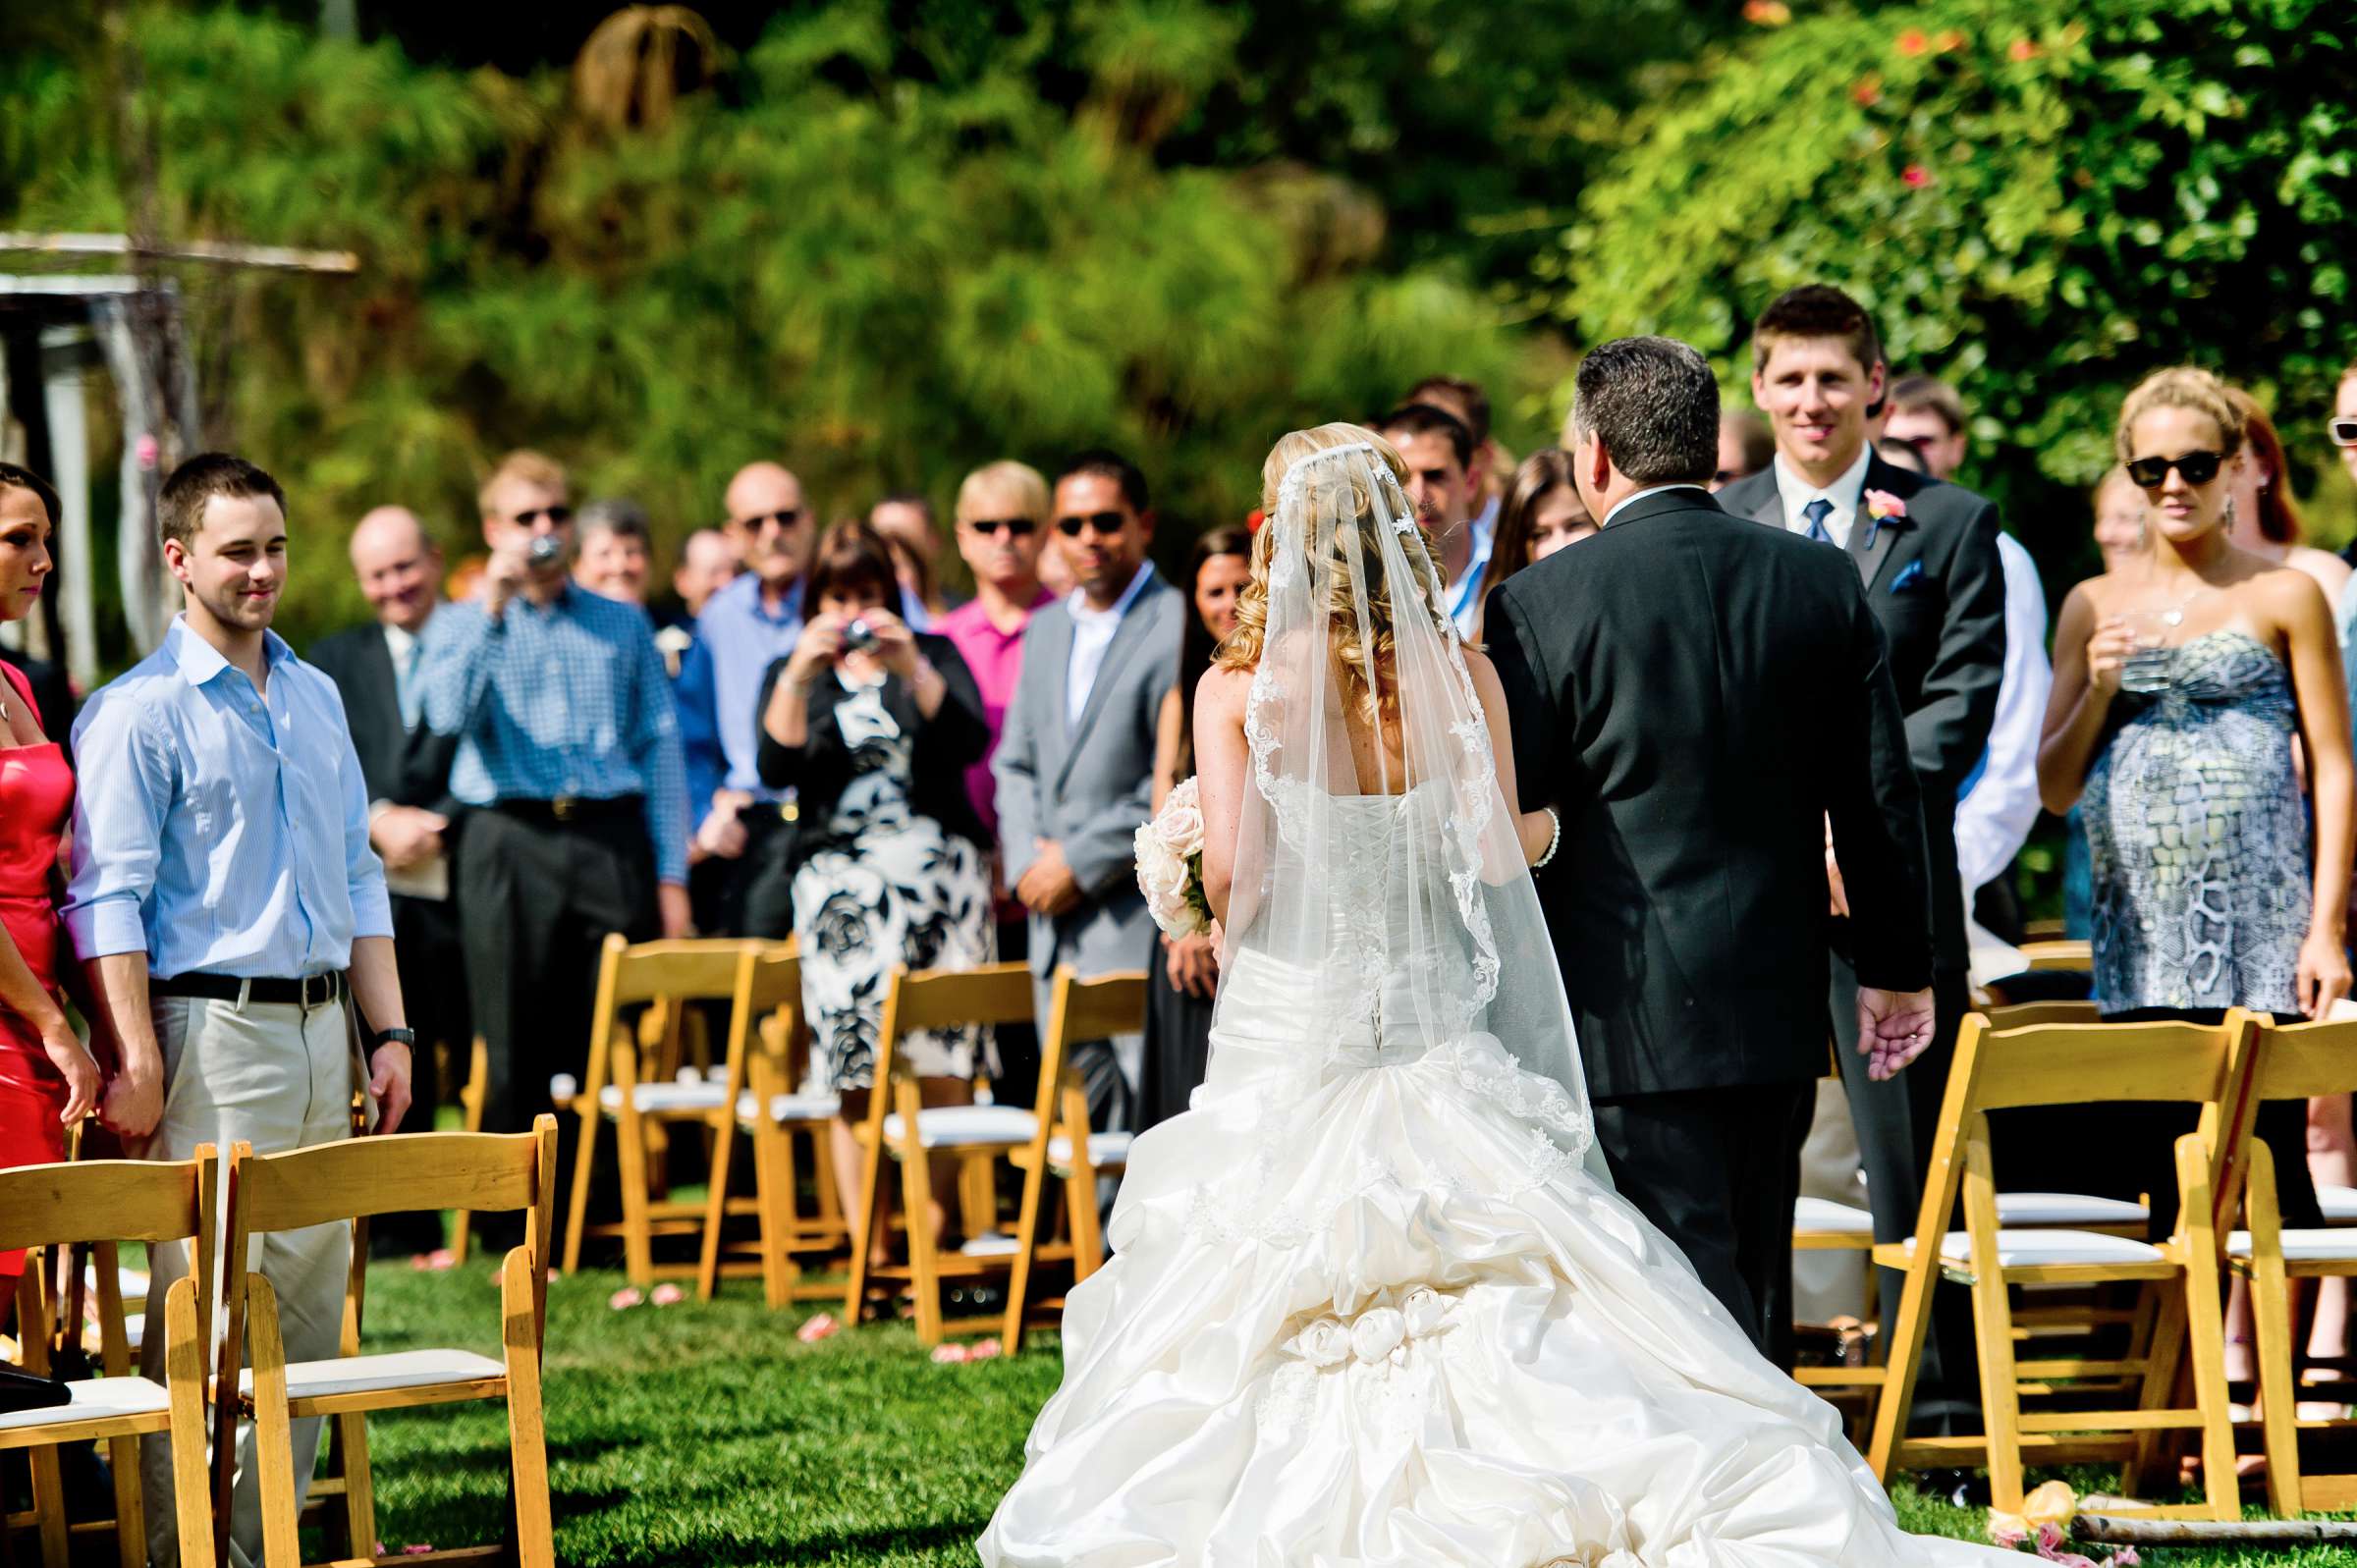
point(2182, 683)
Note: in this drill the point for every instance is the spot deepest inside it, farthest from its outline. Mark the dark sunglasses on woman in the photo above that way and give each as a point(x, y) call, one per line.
point(2198, 467)
point(1016, 527)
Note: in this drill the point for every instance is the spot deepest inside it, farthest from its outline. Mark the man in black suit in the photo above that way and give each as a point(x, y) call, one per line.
point(1697, 697)
point(1927, 555)
point(406, 768)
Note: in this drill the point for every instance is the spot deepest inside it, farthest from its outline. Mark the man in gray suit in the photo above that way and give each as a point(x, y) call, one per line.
point(1075, 766)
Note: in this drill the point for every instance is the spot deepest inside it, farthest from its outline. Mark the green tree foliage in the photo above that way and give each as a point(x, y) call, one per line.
point(2041, 202)
point(885, 270)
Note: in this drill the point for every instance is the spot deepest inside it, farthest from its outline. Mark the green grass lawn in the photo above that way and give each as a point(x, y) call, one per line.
point(708, 1435)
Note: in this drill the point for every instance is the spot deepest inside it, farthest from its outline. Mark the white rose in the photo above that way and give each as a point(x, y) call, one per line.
point(1181, 821)
point(1159, 872)
point(1322, 1343)
point(1426, 1311)
point(1377, 1333)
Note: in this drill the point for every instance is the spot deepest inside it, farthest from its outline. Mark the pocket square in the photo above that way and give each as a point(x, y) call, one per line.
point(1909, 577)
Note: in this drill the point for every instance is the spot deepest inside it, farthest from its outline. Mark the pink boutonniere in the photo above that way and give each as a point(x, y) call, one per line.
point(1881, 507)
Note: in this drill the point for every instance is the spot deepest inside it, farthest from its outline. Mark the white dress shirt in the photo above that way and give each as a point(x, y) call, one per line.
point(1093, 634)
point(1649, 490)
point(2000, 802)
point(1843, 492)
point(1463, 595)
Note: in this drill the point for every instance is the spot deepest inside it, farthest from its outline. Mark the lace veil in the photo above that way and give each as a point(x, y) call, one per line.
point(1392, 882)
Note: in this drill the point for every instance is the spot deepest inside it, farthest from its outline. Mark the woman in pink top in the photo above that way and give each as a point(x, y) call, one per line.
point(1002, 526)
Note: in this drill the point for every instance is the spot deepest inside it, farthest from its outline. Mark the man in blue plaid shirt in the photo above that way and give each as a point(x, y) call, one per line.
point(569, 759)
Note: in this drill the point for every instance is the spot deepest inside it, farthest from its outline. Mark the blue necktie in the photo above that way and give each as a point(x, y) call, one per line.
point(405, 684)
point(1817, 512)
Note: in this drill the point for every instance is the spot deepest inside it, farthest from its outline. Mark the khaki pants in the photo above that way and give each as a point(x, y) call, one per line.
point(277, 1077)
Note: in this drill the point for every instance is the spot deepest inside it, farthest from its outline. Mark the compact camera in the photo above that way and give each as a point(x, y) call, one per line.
point(858, 637)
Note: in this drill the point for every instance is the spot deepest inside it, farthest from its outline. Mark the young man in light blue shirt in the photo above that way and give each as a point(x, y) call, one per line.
point(225, 906)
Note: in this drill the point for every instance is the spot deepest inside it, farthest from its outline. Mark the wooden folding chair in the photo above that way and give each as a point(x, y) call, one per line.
point(352, 1180)
point(470, 1119)
point(762, 1035)
point(2063, 1065)
point(105, 1201)
point(904, 1136)
point(636, 1093)
point(1062, 1147)
point(2295, 1061)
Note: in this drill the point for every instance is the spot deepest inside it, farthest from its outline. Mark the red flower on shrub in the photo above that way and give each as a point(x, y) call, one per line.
point(1915, 176)
point(1868, 92)
point(2022, 49)
point(1912, 42)
point(1766, 13)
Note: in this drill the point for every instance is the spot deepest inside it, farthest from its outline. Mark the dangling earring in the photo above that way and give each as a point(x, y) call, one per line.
point(2229, 515)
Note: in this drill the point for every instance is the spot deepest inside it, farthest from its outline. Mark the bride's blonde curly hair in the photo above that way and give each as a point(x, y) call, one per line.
point(1365, 689)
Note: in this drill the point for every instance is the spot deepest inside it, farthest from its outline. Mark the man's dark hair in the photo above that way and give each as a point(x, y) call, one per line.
point(1816, 310)
point(1106, 463)
point(921, 501)
point(13, 477)
point(1911, 393)
point(1458, 390)
point(1653, 403)
point(179, 506)
point(1758, 441)
point(1427, 419)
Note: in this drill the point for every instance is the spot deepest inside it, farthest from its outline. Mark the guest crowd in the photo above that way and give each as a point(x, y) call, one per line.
point(252, 868)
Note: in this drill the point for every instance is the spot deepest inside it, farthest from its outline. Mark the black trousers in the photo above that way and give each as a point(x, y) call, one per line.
point(722, 892)
point(1716, 1170)
point(536, 900)
point(431, 956)
point(1898, 1123)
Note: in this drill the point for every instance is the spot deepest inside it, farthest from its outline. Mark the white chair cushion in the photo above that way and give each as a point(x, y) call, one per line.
point(2302, 1245)
point(95, 1396)
point(2068, 1209)
point(2028, 1248)
point(787, 1108)
point(399, 1369)
point(1106, 1149)
point(1001, 1126)
point(993, 1244)
point(653, 1099)
point(2340, 1205)
point(1824, 1215)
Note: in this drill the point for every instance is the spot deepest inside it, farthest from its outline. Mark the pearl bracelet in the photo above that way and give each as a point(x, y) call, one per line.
point(1554, 839)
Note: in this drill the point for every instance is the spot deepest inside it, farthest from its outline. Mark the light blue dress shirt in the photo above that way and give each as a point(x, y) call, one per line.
point(567, 699)
point(221, 829)
point(737, 639)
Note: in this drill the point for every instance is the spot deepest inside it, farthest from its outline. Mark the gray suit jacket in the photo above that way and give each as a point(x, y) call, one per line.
point(1090, 785)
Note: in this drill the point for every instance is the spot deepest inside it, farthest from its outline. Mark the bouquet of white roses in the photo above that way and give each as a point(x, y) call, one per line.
point(1169, 865)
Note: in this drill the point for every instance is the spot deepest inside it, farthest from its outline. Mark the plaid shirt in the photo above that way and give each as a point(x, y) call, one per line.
point(567, 699)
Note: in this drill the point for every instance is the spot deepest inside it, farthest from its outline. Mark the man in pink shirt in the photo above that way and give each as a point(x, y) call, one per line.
point(1002, 524)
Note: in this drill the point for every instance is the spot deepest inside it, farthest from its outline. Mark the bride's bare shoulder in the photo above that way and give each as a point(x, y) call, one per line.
point(1484, 674)
point(1221, 691)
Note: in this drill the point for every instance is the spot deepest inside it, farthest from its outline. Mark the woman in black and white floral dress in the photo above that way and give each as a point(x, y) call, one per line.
point(873, 727)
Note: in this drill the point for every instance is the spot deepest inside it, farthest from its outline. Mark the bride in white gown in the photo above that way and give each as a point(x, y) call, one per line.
point(1373, 1301)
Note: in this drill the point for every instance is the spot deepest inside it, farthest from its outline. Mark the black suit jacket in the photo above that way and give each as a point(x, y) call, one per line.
point(408, 769)
point(1938, 586)
point(1695, 695)
point(942, 748)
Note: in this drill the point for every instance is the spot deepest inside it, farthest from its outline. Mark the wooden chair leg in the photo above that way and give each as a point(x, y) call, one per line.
point(191, 1479)
point(822, 1177)
point(49, 1507)
point(1026, 1246)
point(638, 1241)
point(916, 1213)
point(1993, 1329)
point(359, 1483)
point(716, 1205)
point(470, 1108)
point(2164, 1354)
point(871, 1181)
point(577, 1210)
point(2205, 1327)
point(773, 1197)
point(2278, 1390)
point(1080, 1204)
point(527, 1438)
point(273, 1428)
point(131, 1510)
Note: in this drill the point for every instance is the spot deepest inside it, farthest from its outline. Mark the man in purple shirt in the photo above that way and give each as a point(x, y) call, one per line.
point(1001, 523)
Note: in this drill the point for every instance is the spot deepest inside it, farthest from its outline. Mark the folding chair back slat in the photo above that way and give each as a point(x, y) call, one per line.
point(98, 1200)
point(2307, 1060)
point(997, 993)
point(2029, 1014)
point(363, 1177)
point(1102, 1006)
point(696, 969)
point(2074, 1065)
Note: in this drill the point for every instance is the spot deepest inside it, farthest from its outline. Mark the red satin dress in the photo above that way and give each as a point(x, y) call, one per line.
point(36, 795)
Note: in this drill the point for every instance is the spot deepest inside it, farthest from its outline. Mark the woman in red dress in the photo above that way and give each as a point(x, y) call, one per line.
point(47, 1079)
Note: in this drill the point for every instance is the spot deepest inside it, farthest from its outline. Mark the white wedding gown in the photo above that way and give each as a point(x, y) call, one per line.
point(1365, 1312)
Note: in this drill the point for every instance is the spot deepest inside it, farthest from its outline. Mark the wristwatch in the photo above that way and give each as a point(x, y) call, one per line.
point(399, 1037)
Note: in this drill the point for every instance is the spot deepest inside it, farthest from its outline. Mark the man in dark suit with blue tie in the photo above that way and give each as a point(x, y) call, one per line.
point(1927, 555)
point(407, 769)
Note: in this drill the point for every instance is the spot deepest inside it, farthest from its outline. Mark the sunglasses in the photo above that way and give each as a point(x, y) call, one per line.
point(558, 516)
point(1102, 523)
point(1016, 527)
point(2342, 431)
point(2198, 467)
point(762, 519)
